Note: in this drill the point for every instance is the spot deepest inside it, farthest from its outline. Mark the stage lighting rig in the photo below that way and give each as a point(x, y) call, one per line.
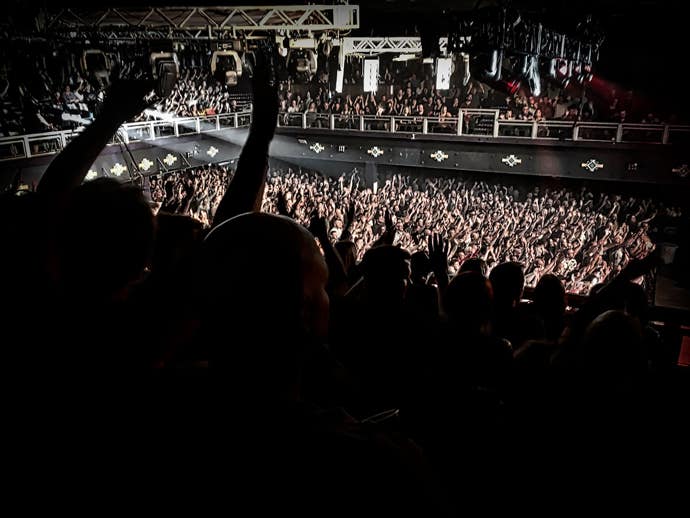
point(494, 35)
point(96, 65)
point(226, 66)
point(165, 71)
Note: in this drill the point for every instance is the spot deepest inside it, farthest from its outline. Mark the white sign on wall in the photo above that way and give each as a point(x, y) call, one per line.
point(339, 76)
point(443, 71)
point(371, 75)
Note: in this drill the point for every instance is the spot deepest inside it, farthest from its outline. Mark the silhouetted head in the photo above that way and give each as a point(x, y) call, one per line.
point(612, 351)
point(508, 282)
point(635, 301)
point(386, 273)
point(105, 240)
point(420, 267)
point(549, 295)
point(177, 238)
point(474, 264)
point(467, 301)
point(265, 284)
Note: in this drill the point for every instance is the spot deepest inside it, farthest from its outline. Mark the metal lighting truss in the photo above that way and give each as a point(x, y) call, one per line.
point(374, 46)
point(202, 22)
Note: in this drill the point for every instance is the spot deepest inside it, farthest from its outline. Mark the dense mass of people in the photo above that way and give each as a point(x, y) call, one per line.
point(415, 94)
point(580, 237)
point(198, 94)
point(352, 378)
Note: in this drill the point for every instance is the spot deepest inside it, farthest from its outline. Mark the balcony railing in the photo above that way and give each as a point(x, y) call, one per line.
point(39, 144)
point(486, 123)
point(470, 123)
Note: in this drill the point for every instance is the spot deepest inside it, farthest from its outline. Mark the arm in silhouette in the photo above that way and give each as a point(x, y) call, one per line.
point(337, 279)
point(67, 171)
point(246, 190)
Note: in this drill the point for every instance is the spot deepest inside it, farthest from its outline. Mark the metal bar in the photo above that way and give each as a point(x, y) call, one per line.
point(665, 138)
point(186, 19)
point(619, 133)
point(425, 126)
point(461, 119)
point(534, 129)
point(496, 124)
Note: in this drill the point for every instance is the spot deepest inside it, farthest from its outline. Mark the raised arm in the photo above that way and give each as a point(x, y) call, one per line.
point(246, 190)
point(438, 256)
point(337, 278)
point(68, 169)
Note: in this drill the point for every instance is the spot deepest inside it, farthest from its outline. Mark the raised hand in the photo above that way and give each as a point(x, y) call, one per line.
point(438, 256)
point(265, 90)
point(318, 226)
point(246, 190)
point(127, 98)
point(281, 204)
point(388, 218)
point(389, 234)
point(350, 215)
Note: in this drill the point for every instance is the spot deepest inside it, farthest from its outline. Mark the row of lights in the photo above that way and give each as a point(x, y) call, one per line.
point(170, 160)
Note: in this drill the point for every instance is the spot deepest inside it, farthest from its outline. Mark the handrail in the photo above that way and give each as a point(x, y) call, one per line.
point(48, 143)
point(470, 123)
point(486, 123)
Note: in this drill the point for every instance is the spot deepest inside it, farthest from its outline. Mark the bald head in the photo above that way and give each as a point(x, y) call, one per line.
point(260, 244)
point(266, 279)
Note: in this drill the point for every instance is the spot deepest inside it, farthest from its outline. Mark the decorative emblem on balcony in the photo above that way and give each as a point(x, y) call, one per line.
point(439, 156)
point(118, 169)
point(170, 159)
point(145, 164)
point(682, 171)
point(317, 148)
point(375, 152)
point(212, 151)
point(91, 175)
point(592, 165)
point(511, 160)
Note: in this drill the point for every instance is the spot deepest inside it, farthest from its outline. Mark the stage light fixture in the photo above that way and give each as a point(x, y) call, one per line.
point(165, 71)
point(96, 65)
point(226, 66)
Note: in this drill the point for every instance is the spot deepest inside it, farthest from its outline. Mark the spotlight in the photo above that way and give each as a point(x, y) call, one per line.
point(165, 70)
point(530, 71)
point(303, 63)
point(466, 69)
point(563, 72)
point(585, 74)
point(96, 65)
point(487, 67)
point(226, 66)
